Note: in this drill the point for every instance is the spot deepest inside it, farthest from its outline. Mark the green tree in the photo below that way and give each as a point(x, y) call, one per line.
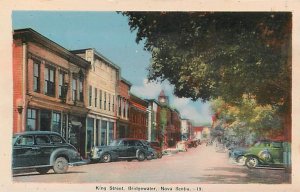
point(211, 54)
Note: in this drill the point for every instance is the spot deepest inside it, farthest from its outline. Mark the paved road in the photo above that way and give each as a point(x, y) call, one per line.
point(198, 165)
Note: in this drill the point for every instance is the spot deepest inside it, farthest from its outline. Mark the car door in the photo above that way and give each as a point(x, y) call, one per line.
point(131, 149)
point(121, 148)
point(44, 148)
point(24, 152)
point(276, 150)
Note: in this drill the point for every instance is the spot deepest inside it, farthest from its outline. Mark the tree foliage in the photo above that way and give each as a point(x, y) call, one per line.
point(211, 54)
point(248, 117)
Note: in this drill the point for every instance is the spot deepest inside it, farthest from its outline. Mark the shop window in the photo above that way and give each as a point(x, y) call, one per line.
point(49, 81)
point(31, 120)
point(56, 122)
point(36, 77)
point(90, 134)
point(104, 133)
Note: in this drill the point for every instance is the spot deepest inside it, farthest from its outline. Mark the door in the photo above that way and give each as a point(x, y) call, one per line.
point(44, 148)
point(24, 152)
point(131, 149)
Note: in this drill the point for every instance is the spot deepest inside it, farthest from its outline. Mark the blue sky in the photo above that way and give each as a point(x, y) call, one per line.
point(109, 34)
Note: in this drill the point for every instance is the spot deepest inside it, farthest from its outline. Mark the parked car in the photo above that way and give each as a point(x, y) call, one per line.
point(153, 154)
point(265, 153)
point(237, 154)
point(125, 148)
point(182, 146)
point(155, 145)
point(42, 151)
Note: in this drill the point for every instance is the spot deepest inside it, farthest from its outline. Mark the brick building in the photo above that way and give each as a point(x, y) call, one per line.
point(123, 108)
point(138, 117)
point(48, 87)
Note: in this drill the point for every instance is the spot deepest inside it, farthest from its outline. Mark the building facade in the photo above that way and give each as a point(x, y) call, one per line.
point(138, 117)
point(154, 125)
point(101, 89)
point(48, 88)
point(123, 109)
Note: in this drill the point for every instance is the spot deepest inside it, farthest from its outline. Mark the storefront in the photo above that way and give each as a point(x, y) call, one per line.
point(100, 131)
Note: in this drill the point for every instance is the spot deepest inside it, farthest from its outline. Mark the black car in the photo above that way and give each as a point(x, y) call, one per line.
point(42, 151)
point(125, 148)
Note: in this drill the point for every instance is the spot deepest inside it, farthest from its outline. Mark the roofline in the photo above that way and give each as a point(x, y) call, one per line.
point(126, 81)
point(98, 54)
point(30, 35)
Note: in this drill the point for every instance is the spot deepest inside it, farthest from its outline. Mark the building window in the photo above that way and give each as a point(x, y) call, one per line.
point(96, 97)
point(90, 95)
point(31, 120)
point(124, 105)
point(56, 122)
point(113, 103)
point(36, 77)
point(61, 91)
point(119, 106)
point(81, 90)
point(49, 81)
point(100, 100)
point(74, 89)
point(104, 100)
point(108, 102)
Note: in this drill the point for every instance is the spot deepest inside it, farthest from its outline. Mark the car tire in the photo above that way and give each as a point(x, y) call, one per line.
point(43, 170)
point(159, 155)
point(60, 165)
point(252, 162)
point(240, 160)
point(141, 156)
point(106, 158)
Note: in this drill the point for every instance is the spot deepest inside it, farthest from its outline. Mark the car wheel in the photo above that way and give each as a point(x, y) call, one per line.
point(159, 155)
point(252, 162)
point(106, 158)
point(241, 160)
point(141, 156)
point(43, 170)
point(60, 165)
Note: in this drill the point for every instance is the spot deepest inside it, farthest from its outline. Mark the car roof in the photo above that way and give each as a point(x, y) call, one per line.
point(36, 133)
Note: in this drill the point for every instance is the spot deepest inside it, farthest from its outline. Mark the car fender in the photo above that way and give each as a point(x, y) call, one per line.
point(63, 152)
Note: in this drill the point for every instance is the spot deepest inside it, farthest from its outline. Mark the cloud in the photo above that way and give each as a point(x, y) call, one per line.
point(149, 90)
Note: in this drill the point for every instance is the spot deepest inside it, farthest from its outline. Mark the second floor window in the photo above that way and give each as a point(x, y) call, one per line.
point(81, 89)
point(109, 102)
point(90, 95)
point(61, 92)
point(74, 89)
point(113, 103)
point(49, 81)
point(104, 101)
point(100, 100)
point(36, 77)
point(96, 97)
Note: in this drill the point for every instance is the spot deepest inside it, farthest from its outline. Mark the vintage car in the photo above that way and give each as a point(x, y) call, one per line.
point(125, 148)
point(42, 151)
point(265, 153)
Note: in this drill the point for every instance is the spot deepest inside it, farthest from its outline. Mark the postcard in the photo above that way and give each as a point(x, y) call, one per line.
point(149, 96)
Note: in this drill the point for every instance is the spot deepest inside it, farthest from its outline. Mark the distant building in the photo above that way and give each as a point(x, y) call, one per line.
point(123, 109)
point(138, 117)
point(186, 129)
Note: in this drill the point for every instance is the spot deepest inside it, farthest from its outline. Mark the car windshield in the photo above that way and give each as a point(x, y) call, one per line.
point(114, 143)
point(14, 139)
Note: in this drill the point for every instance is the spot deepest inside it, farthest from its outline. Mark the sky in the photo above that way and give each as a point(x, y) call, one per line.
point(109, 34)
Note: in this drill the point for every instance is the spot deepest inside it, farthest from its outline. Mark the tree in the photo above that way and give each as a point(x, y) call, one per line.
point(247, 118)
point(211, 54)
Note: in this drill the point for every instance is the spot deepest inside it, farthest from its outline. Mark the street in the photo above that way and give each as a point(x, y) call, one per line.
point(198, 165)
